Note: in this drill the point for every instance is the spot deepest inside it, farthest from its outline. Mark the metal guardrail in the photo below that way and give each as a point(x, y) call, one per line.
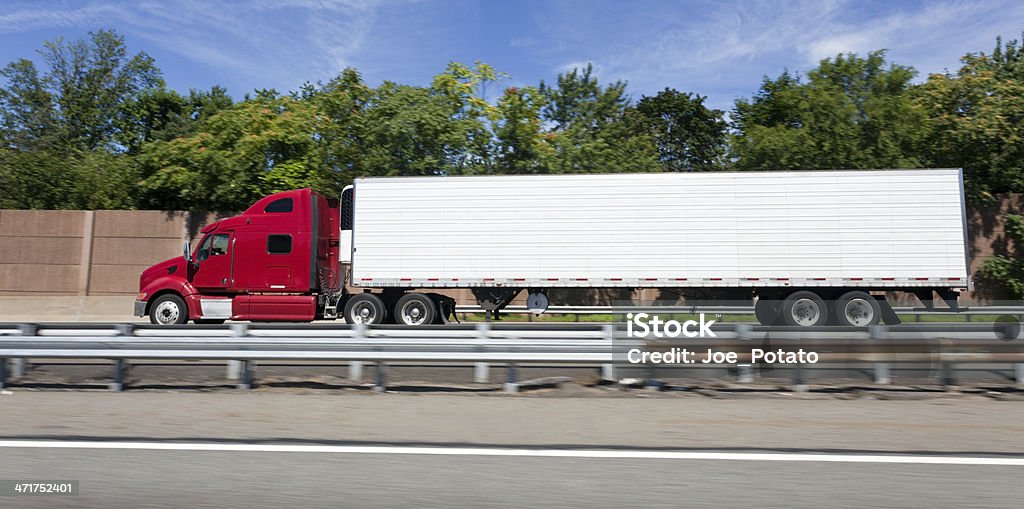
point(917, 313)
point(241, 344)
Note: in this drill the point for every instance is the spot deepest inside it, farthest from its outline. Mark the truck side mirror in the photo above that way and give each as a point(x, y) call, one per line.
point(187, 250)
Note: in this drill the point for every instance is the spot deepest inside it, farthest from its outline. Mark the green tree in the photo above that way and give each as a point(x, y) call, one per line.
point(688, 135)
point(519, 133)
point(28, 115)
point(60, 130)
point(162, 115)
point(340, 127)
point(440, 130)
point(78, 102)
point(254, 148)
point(71, 180)
point(853, 112)
point(590, 130)
point(978, 119)
point(1006, 270)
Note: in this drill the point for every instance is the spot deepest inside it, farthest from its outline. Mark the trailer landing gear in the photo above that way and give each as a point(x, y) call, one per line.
point(493, 300)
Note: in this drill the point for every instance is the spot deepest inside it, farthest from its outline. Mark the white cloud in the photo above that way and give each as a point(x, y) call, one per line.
point(722, 49)
point(278, 43)
point(25, 19)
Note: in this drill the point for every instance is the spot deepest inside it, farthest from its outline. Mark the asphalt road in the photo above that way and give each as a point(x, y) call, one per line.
point(158, 449)
point(151, 479)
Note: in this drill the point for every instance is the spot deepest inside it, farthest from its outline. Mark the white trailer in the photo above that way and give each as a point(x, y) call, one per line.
point(809, 245)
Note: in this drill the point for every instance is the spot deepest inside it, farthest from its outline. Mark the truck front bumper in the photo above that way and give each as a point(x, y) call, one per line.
point(140, 308)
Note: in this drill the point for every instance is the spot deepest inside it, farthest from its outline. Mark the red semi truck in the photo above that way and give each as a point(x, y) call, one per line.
point(808, 248)
point(277, 261)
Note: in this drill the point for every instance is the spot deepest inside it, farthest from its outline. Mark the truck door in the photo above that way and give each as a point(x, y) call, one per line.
point(214, 262)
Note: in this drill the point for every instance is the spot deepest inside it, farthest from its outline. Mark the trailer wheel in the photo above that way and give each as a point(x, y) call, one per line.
point(804, 309)
point(767, 311)
point(858, 309)
point(365, 308)
point(415, 309)
point(168, 309)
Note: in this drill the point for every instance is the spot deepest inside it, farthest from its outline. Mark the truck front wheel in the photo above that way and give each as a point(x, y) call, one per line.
point(168, 309)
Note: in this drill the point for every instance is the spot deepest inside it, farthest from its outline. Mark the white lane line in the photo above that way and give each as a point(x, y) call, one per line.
point(543, 453)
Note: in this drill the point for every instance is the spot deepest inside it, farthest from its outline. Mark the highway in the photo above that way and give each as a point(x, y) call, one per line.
point(160, 449)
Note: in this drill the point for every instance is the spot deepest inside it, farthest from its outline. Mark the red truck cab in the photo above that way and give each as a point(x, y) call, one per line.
point(277, 261)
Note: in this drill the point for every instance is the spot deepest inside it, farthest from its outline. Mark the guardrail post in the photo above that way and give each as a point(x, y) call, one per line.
point(1018, 371)
point(744, 373)
point(19, 365)
point(117, 377)
point(512, 380)
point(948, 380)
point(482, 370)
point(882, 372)
point(382, 377)
point(355, 368)
point(608, 370)
point(3, 372)
point(120, 366)
point(234, 368)
point(799, 384)
point(245, 375)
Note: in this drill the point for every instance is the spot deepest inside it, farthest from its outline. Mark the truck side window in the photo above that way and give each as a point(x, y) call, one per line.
point(204, 249)
point(220, 244)
point(282, 205)
point(279, 244)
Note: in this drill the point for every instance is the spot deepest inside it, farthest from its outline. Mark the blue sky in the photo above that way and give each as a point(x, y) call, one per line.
point(720, 49)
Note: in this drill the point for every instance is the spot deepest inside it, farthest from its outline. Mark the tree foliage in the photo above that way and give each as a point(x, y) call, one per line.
point(977, 116)
point(688, 135)
point(92, 126)
point(852, 112)
point(591, 131)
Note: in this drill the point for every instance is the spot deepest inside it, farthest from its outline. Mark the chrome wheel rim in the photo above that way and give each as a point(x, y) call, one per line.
point(805, 312)
point(167, 312)
point(364, 312)
point(413, 313)
point(859, 312)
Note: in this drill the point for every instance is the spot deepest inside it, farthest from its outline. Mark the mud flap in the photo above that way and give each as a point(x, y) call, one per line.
point(889, 315)
point(445, 308)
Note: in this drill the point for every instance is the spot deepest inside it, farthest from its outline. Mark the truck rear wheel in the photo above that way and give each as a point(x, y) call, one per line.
point(168, 309)
point(415, 309)
point(365, 308)
point(804, 309)
point(858, 309)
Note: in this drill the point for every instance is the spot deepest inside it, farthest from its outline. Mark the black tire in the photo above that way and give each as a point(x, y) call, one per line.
point(365, 308)
point(857, 309)
point(415, 309)
point(168, 309)
point(804, 309)
point(767, 311)
point(208, 321)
